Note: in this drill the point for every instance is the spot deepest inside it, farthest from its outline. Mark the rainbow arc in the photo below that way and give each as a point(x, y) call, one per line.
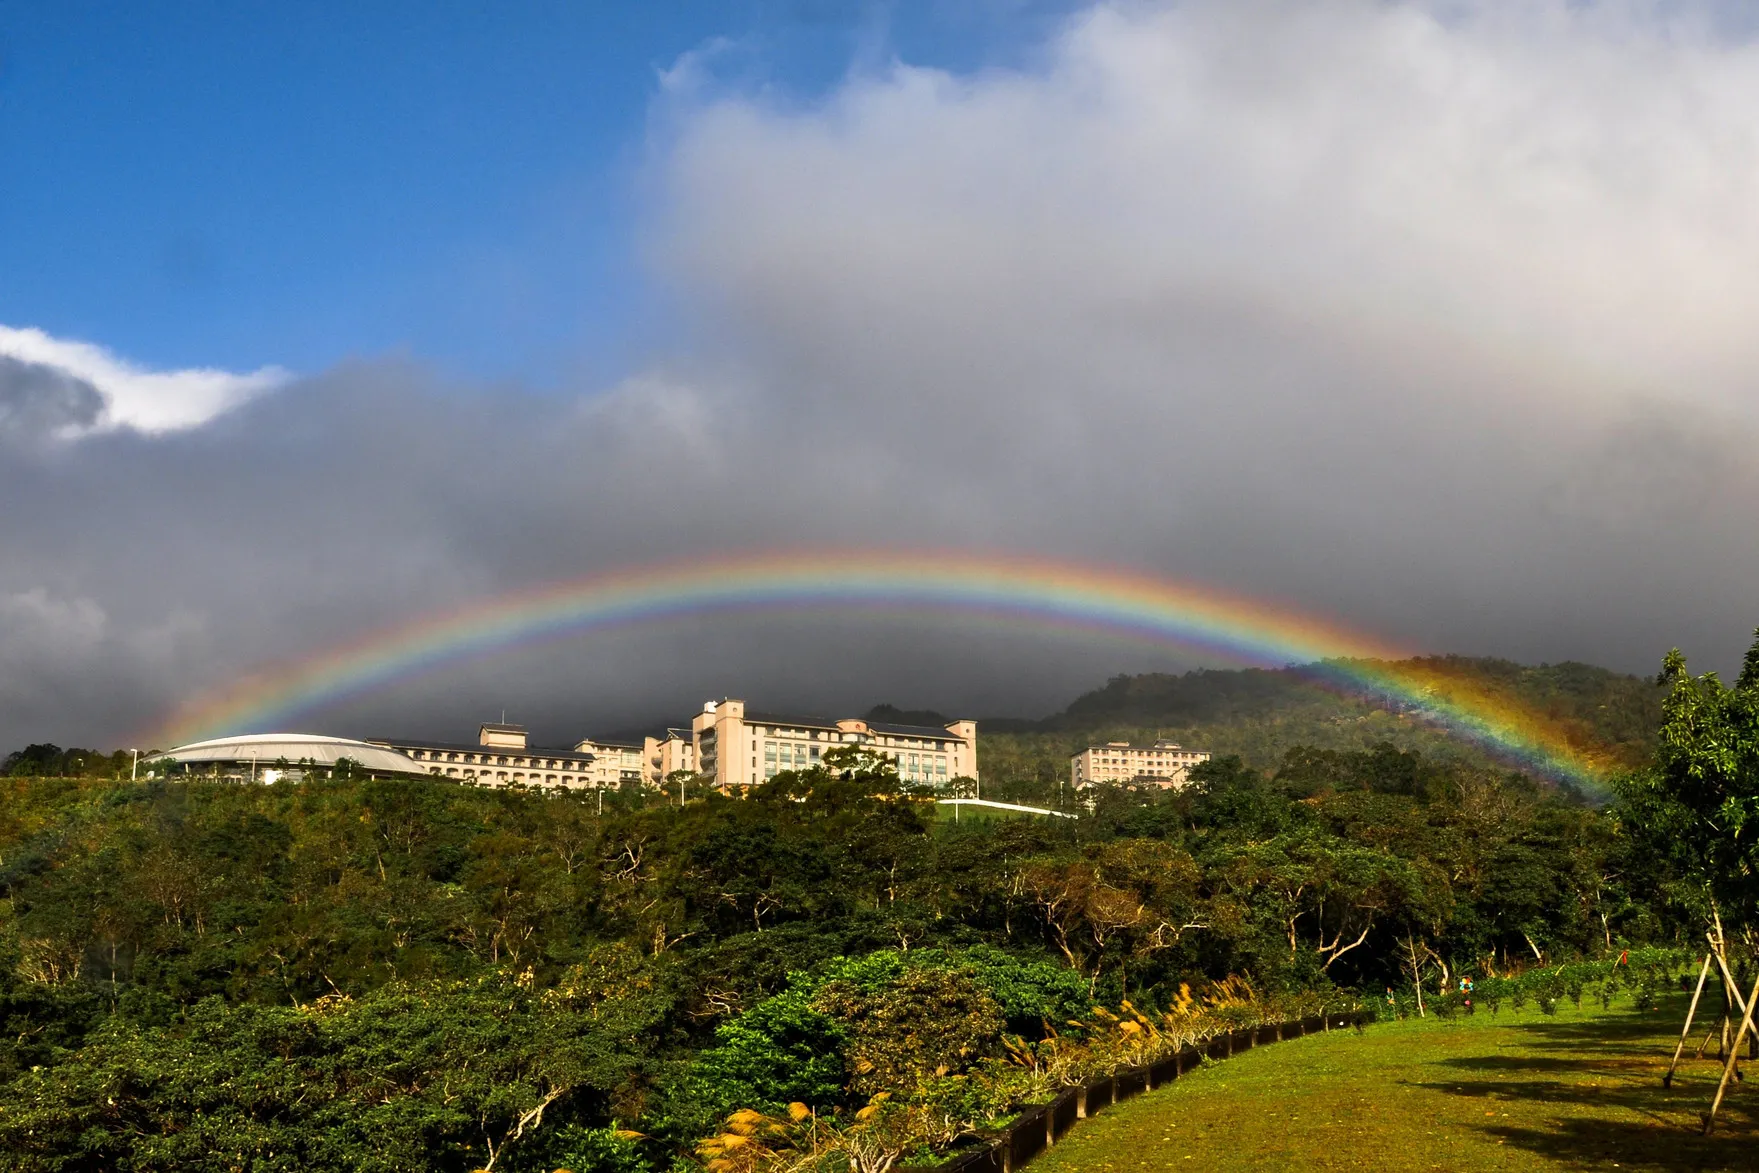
point(1034, 592)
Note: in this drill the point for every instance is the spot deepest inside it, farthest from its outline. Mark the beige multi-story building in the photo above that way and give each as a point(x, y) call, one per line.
point(664, 756)
point(500, 757)
point(614, 762)
point(727, 746)
point(1165, 763)
point(735, 749)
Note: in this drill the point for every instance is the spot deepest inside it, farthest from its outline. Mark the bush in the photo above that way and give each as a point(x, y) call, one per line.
point(926, 1023)
point(578, 1149)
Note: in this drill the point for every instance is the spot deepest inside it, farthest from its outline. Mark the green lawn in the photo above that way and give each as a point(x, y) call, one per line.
point(1578, 1091)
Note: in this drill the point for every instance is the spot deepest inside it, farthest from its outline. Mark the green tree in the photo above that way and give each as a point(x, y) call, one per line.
point(1699, 803)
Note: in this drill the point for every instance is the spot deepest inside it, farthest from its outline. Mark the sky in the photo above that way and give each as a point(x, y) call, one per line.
point(1429, 319)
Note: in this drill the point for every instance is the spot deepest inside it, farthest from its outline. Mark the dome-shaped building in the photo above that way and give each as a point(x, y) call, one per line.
point(279, 757)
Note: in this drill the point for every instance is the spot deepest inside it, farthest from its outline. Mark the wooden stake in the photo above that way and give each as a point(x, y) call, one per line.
point(1734, 1055)
point(1731, 994)
point(1703, 976)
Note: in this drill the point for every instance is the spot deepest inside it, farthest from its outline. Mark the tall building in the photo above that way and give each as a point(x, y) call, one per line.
point(1165, 763)
point(735, 749)
point(664, 756)
point(500, 757)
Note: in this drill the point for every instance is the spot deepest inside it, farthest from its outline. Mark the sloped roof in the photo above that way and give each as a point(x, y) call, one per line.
point(266, 749)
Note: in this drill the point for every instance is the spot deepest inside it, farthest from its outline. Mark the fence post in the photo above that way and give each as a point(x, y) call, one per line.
point(1081, 1102)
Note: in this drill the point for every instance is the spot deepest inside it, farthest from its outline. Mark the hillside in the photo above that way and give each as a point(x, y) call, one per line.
point(1260, 714)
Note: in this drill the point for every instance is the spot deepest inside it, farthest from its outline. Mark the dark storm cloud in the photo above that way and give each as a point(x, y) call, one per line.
point(1438, 327)
point(39, 401)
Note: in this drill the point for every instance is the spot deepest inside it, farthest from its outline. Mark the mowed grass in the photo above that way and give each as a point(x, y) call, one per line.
point(1581, 1090)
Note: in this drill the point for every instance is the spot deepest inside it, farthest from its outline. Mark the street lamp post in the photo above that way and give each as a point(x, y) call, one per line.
point(134, 766)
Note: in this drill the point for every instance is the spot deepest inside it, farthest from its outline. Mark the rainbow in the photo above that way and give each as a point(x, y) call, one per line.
point(1033, 591)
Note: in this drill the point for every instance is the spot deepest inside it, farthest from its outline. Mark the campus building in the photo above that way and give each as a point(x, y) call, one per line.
point(736, 749)
point(664, 756)
point(1165, 763)
point(278, 757)
point(501, 757)
point(614, 762)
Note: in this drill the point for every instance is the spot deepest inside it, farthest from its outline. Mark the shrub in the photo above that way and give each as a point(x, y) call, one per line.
point(926, 1023)
point(578, 1149)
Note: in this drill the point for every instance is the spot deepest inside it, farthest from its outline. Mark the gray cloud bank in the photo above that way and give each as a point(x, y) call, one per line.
point(40, 402)
point(1436, 320)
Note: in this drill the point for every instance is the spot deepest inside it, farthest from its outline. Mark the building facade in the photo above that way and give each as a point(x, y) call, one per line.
point(735, 749)
point(725, 745)
point(501, 757)
point(1165, 763)
point(664, 756)
point(278, 757)
point(614, 762)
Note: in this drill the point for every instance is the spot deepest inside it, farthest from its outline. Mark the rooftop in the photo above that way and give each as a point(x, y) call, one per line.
point(535, 751)
point(795, 722)
point(940, 731)
point(886, 727)
point(268, 748)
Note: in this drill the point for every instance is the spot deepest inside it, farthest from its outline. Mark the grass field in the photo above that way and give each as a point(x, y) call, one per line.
point(1581, 1090)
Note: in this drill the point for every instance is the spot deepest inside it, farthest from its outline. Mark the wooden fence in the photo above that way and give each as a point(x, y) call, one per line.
point(1041, 1127)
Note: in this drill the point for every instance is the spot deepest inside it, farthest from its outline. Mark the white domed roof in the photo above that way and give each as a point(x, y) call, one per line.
point(265, 749)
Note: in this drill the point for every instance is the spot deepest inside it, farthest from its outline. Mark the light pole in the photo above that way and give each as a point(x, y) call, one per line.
point(134, 766)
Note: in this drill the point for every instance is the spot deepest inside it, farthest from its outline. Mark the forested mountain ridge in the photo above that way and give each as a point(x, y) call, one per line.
point(1260, 714)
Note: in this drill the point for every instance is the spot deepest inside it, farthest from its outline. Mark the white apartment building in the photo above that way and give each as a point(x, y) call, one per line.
point(500, 757)
point(614, 762)
point(1165, 763)
point(735, 749)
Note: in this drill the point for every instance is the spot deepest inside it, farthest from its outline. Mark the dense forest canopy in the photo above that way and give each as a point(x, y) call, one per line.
point(412, 974)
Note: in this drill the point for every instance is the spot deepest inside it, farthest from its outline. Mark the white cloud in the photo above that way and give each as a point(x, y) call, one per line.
point(142, 400)
point(1567, 187)
point(1399, 310)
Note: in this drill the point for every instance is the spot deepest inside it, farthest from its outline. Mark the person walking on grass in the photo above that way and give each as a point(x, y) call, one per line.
point(1466, 991)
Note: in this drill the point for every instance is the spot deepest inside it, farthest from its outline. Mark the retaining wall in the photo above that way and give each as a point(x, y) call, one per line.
point(1042, 1126)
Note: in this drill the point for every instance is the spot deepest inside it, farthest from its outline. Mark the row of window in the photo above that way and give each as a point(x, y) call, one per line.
point(489, 759)
point(503, 777)
point(887, 740)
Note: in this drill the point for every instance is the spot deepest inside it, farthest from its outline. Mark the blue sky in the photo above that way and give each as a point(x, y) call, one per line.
point(250, 183)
